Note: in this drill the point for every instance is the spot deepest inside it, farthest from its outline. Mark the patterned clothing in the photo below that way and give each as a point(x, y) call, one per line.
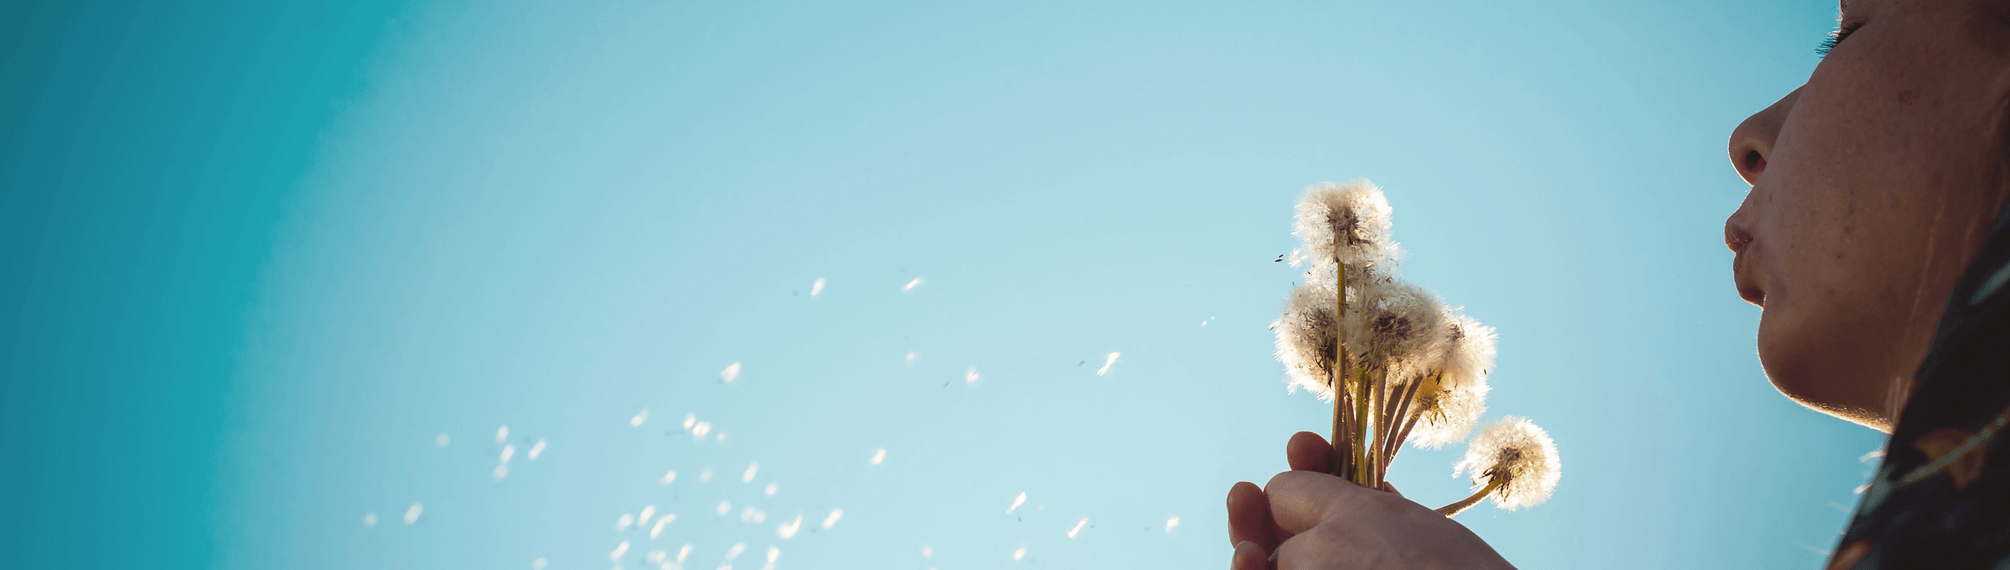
point(1942, 497)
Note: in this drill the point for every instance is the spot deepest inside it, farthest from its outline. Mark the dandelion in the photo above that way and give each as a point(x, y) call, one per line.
point(731, 373)
point(1347, 223)
point(1107, 363)
point(1512, 461)
point(817, 288)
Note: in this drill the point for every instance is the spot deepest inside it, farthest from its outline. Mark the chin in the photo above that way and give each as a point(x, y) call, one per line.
point(1827, 383)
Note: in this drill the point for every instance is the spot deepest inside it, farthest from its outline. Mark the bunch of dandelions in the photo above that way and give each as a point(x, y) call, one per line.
point(1396, 362)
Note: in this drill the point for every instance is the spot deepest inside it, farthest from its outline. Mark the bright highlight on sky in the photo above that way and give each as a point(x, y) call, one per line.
point(886, 284)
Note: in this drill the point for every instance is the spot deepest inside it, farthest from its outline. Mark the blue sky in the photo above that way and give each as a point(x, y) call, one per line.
point(269, 254)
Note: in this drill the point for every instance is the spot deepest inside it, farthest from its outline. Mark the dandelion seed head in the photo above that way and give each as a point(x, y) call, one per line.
point(536, 450)
point(1515, 450)
point(1451, 403)
point(1306, 338)
point(817, 288)
point(1355, 212)
point(730, 374)
point(1393, 325)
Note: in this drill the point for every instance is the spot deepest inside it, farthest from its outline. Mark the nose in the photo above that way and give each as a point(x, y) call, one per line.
point(1752, 142)
point(1751, 145)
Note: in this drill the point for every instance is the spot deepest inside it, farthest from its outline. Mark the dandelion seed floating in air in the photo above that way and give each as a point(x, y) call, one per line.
point(1512, 461)
point(536, 450)
point(817, 288)
point(1107, 363)
point(640, 417)
point(730, 374)
point(909, 288)
point(1020, 500)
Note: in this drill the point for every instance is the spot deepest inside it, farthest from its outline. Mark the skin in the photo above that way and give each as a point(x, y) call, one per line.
point(1873, 186)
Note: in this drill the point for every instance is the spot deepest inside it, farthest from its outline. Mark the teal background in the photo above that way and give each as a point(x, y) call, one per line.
point(259, 256)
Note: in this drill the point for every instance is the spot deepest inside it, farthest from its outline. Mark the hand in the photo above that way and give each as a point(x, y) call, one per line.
point(1305, 518)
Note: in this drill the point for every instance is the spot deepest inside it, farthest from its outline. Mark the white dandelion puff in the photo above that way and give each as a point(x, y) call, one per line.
point(1307, 338)
point(502, 434)
point(734, 552)
point(1347, 222)
point(730, 374)
point(1450, 401)
point(412, 514)
point(369, 519)
point(1512, 461)
point(879, 457)
point(788, 530)
point(1078, 527)
point(817, 288)
point(640, 417)
point(1393, 324)
point(724, 507)
point(832, 520)
point(770, 491)
point(1016, 501)
point(909, 288)
point(1171, 524)
point(622, 524)
point(1019, 554)
point(1107, 363)
point(752, 468)
point(509, 451)
point(536, 450)
point(619, 549)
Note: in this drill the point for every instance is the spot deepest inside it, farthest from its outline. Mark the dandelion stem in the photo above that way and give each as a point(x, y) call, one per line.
point(1361, 430)
point(1339, 369)
point(1454, 509)
point(1393, 436)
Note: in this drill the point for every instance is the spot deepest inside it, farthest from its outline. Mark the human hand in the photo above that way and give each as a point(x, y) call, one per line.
point(1305, 518)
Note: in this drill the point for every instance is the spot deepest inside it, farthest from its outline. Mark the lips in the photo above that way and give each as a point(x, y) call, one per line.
point(1741, 274)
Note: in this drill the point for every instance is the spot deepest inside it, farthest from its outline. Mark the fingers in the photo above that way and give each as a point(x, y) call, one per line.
point(1300, 500)
point(1249, 556)
point(1308, 452)
point(1249, 517)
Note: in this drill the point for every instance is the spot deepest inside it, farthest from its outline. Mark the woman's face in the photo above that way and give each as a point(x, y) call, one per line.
point(1872, 187)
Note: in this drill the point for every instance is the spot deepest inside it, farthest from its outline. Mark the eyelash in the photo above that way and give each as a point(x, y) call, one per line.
point(1841, 33)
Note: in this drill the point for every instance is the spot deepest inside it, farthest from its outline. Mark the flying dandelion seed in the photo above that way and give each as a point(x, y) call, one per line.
point(970, 376)
point(788, 530)
point(640, 417)
point(1019, 554)
point(1020, 500)
point(619, 549)
point(724, 507)
point(369, 519)
point(642, 519)
point(502, 434)
point(501, 472)
point(705, 476)
point(752, 468)
point(730, 374)
point(910, 358)
point(670, 477)
point(734, 552)
point(753, 516)
point(879, 456)
point(412, 514)
point(927, 551)
point(911, 285)
point(699, 431)
point(442, 440)
point(817, 288)
point(1112, 361)
point(1172, 523)
point(1874, 454)
point(508, 452)
point(539, 564)
point(774, 553)
point(657, 556)
point(770, 490)
point(684, 552)
point(832, 520)
point(622, 524)
point(722, 437)
point(536, 450)
point(690, 420)
point(666, 519)
point(1078, 527)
